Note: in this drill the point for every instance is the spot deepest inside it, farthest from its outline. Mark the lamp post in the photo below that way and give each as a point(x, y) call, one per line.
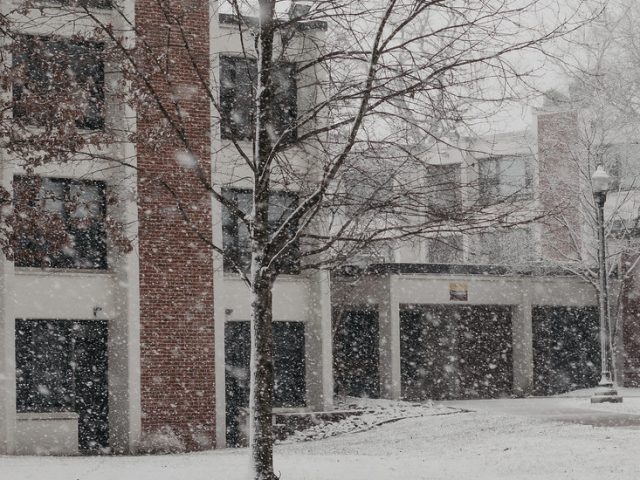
point(605, 391)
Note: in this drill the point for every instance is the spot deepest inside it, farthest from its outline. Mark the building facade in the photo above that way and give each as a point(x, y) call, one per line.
point(145, 348)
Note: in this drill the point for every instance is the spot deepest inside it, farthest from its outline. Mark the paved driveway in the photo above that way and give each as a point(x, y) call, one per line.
point(560, 409)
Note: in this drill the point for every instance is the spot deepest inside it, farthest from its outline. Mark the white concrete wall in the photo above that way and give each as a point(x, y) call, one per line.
point(53, 433)
point(304, 298)
point(495, 290)
point(110, 295)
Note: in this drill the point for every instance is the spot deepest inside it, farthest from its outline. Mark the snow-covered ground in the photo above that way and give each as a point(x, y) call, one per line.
point(479, 445)
point(376, 412)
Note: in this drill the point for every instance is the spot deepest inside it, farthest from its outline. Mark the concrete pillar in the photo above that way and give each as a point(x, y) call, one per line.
point(7, 360)
point(319, 343)
point(389, 318)
point(522, 331)
point(220, 315)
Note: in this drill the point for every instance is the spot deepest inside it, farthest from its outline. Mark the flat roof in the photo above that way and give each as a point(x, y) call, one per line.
point(232, 19)
point(451, 269)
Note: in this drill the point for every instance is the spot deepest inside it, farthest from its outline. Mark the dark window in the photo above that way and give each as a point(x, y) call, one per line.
point(61, 366)
point(621, 163)
point(44, 366)
point(356, 352)
point(58, 80)
point(288, 364)
point(445, 249)
point(238, 77)
point(505, 247)
point(235, 234)
point(368, 190)
point(61, 223)
point(505, 177)
point(443, 188)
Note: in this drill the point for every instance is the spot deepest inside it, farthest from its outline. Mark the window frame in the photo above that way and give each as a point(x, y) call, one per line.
point(96, 232)
point(446, 241)
point(287, 394)
point(230, 95)
point(439, 199)
point(31, 397)
point(489, 185)
point(90, 79)
point(503, 241)
point(234, 253)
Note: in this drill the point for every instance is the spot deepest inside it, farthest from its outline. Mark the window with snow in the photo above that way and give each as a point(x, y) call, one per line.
point(238, 77)
point(445, 249)
point(368, 189)
point(58, 80)
point(443, 188)
point(288, 363)
point(621, 163)
point(508, 177)
point(44, 367)
point(236, 241)
point(505, 247)
point(60, 223)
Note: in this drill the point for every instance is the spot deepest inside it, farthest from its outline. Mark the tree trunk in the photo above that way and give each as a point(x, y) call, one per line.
point(261, 396)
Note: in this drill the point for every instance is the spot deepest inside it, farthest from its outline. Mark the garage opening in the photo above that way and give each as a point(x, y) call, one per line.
point(356, 352)
point(451, 351)
point(288, 370)
point(566, 349)
point(61, 366)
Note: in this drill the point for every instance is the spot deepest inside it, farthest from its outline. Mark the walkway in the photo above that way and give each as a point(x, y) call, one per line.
point(562, 409)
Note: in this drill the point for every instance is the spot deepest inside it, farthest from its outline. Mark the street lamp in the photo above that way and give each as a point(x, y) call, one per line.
point(605, 391)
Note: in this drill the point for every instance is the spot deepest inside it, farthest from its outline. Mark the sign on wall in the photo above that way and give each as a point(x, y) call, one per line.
point(459, 291)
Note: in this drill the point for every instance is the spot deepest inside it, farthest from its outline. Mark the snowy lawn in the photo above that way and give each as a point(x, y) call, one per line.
point(459, 446)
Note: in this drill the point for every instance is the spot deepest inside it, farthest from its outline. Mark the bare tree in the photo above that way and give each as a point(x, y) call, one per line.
point(350, 161)
point(602, 71)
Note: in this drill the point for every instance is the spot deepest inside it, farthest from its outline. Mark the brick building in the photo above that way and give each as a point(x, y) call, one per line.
point(148, 350)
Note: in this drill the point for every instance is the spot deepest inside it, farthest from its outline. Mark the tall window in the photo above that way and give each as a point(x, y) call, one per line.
point(238, 77)
point(58, 79)
point(445, 249)
point(443, 187)
point(505, 177)
point(288, 362)
point(235, 235)
point(62, 366)
point(621, 163)
point(504, 247)
point(44, 371)
point(366, 190)
point(61, 223)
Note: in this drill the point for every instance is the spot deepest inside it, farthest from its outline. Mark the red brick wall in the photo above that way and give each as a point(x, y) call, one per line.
point(559, 182)
point(176, 271)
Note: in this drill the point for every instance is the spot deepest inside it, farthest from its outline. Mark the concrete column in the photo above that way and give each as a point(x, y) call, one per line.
point(522, 331)
point(221, 312)
point(125, 422)
point(124, 332)
point(389, 318)
point(7, 320)
point(7, 347)
point(319, 343)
